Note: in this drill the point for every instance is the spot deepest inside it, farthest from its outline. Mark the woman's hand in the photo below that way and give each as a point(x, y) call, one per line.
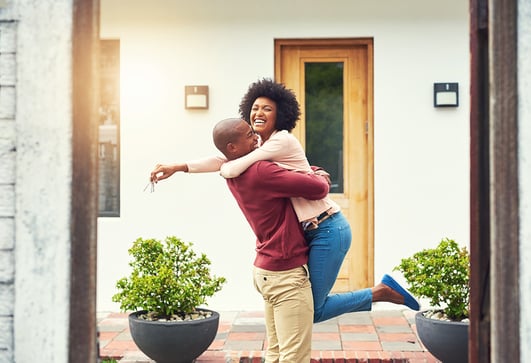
point(164, 171)
point(324, 174)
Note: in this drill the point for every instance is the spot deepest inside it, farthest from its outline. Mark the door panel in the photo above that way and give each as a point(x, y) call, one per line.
point(337, 133)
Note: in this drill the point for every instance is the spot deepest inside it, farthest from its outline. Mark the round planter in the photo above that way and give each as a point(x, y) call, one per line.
point(445, 340)
point(173, 342)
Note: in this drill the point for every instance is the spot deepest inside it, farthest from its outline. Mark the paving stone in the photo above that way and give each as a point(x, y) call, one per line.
point(243, 345)
point(401, 346)
point(363, 318)
point(394, 329)
point(325, 328)
point(326, 345)
point(368, 337)
point(248, 328)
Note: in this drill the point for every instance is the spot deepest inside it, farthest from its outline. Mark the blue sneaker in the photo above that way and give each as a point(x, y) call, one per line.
point(409, 300)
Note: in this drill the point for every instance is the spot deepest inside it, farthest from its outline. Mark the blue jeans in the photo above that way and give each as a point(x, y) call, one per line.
point(328, 246)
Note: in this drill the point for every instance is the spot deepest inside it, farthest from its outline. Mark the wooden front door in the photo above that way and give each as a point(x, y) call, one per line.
point(333, 79)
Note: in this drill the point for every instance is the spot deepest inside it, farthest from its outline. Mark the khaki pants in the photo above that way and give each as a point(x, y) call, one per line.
point(288, 313)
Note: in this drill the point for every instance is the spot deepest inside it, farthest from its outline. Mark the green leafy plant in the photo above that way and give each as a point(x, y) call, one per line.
point(442, 275)
point(166, 279)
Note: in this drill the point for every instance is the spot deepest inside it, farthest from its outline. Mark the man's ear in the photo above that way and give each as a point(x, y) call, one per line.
point(231, 148)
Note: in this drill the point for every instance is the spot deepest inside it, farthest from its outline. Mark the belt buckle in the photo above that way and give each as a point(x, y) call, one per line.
point(312, 227)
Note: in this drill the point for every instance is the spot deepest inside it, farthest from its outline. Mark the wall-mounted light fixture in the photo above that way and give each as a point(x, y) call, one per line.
point(446, 94)
point(196, 97)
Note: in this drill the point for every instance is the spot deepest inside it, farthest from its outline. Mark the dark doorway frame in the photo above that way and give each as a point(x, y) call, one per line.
point(82, 344)
point(494, 194)
point(479, 330)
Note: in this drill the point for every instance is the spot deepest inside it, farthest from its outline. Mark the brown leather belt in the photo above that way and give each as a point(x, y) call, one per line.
point(322, 217)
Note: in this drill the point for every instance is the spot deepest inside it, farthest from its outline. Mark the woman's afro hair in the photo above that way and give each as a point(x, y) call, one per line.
point(288, 109)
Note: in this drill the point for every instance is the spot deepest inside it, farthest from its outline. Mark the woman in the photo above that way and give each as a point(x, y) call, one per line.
point(273, 111)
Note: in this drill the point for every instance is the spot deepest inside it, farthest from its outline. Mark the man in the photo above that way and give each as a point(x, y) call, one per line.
point(280, 272)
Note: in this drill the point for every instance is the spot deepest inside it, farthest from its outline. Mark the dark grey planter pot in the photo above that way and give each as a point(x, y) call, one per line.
point(445, 340)
point(173, 342)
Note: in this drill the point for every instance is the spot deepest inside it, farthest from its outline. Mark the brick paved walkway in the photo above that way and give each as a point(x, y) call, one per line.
point(386, 336)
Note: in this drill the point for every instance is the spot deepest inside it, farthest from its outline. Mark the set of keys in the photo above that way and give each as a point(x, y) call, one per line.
point(151, 186)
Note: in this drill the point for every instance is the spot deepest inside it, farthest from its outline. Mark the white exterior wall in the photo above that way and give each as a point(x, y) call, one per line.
point(524, 171)
point(421, 154)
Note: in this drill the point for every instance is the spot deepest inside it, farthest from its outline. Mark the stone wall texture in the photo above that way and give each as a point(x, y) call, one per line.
point(7, 185)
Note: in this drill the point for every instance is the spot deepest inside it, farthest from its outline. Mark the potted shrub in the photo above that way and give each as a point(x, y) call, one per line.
point(165, 289)
point(441, 275)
